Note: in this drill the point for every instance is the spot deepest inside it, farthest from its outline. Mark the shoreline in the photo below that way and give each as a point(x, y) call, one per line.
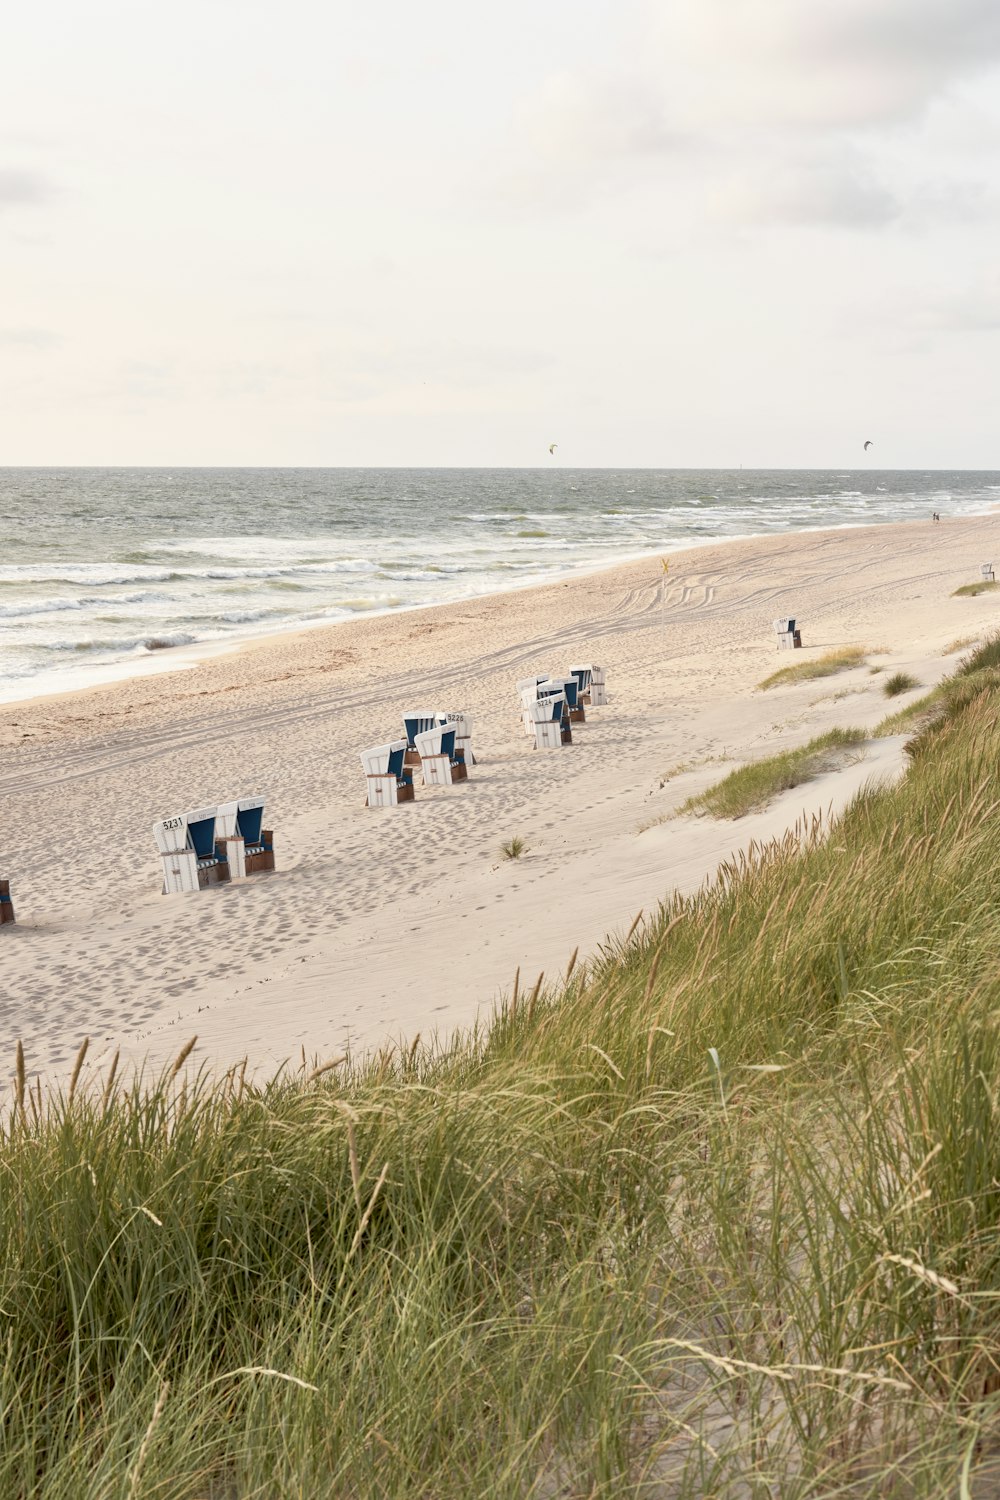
point(193, 654)
point(344, 943)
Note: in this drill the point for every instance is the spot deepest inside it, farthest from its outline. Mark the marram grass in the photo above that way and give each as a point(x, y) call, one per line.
point(841, 660)
point(752, 787)
point(716, 1217)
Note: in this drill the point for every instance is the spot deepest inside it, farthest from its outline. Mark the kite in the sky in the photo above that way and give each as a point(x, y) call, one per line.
point(868, 444)
point(553, 447)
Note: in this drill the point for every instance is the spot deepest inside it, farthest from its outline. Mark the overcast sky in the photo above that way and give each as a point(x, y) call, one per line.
point(669, 232)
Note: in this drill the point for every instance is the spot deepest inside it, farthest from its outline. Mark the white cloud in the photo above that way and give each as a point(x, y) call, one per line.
point(21, 187)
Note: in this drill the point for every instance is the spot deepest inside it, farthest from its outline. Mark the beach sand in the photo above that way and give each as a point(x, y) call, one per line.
point(378, 925)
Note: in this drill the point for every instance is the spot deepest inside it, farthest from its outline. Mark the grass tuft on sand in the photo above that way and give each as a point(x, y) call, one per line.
point(970, 590)
point(750, 788)
point(820, 666)
point(719, 1214)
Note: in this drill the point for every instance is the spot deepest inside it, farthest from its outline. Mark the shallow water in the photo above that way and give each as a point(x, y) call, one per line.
point(107, 566)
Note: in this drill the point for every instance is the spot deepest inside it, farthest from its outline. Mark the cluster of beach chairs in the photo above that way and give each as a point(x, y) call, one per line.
point(550, 706)
point(214, 845)
point(439, 745)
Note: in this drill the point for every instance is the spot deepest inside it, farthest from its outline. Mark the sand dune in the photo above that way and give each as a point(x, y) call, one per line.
point(377, 925)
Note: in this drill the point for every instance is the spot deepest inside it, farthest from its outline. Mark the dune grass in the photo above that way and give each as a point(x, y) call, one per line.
point(826, 665)
point(717, 1217)
point(750, 788)
point(970, 590)
point(899, 683)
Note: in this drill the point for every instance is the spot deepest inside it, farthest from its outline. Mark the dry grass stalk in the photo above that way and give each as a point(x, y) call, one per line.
point(183, 1056)
point(77, 1066)
point(133, 1487)
point(572, 964)
point(325, 1067)
point(534, 997)
point(635, 922)
point(111, 1079)
point(19, 1080)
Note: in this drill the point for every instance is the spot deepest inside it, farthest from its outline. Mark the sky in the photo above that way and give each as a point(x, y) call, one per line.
point(659, 233)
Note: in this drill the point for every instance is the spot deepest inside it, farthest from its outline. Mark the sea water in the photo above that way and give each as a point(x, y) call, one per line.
point(104, 570)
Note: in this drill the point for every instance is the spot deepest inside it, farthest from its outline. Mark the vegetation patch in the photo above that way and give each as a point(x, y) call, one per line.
point(960, 644)
point(751, 788)
point(820, 666)
point(899, 682)
point(513, 848)
point(970, 590)
point(717, 1214)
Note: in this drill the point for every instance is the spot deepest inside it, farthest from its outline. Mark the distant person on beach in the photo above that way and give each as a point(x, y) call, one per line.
point(935, 516)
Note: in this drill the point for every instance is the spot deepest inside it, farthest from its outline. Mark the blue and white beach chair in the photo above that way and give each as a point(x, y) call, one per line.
point(583, 678)
point(187, 848)
point(414, 724)
point(6, 904)
point(438, 761)
point(550, 722)
point(462, 725)
point(389, 780)
point(789, 637)
point(247, 846)
point(987, 572)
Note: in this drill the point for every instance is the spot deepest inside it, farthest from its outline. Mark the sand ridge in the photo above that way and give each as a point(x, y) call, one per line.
point(380, 924)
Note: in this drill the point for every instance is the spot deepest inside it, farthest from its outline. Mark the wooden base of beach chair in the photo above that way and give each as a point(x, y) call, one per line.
point(790, 640)
point(577, 715)
point(411, 759)
point(260, 857)
point(217, 873)
point(463, 752)
point(6, 904)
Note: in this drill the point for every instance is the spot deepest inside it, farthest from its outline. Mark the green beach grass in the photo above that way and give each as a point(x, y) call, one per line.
point(970, 590)
point(716, 1217)
point(820, 666)
point(750, 788)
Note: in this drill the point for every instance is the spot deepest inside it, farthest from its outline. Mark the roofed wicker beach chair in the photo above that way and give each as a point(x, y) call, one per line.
point(987, 572)
point(550, 722)
point(390, 781)
point(414, 724)
point(247, 846)
point(583, 677)
point(574, 703)
point(598, 686)
point(188, 851)
point(6, 904)
point(789, 637)
point(462, 725)
point(438, 762)
point(527, 691)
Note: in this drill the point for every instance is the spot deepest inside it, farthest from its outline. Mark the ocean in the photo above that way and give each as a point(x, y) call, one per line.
point(104, 571)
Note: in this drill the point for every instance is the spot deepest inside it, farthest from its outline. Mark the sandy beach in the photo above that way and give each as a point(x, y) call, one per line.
point(379, 925)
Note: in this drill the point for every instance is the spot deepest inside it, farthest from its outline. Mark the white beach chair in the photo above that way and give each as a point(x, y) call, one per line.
point(462, 725)
point(550, 723)
point(574, 702)
point(187, 848)
point(583, 677)
point(389, 781)
point(528, 694)
point(6, 904)
point(414, 724)
point(438, 762)
point(789, 637)
point(247, 847)
point(598, 687)
point(987, 572)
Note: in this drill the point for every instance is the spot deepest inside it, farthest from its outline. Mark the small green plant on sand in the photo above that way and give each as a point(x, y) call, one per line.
point(752, 787)
point(960, 644)
point(899, 682)
point(513, 848)
point(820, 666)
point(970, 590)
